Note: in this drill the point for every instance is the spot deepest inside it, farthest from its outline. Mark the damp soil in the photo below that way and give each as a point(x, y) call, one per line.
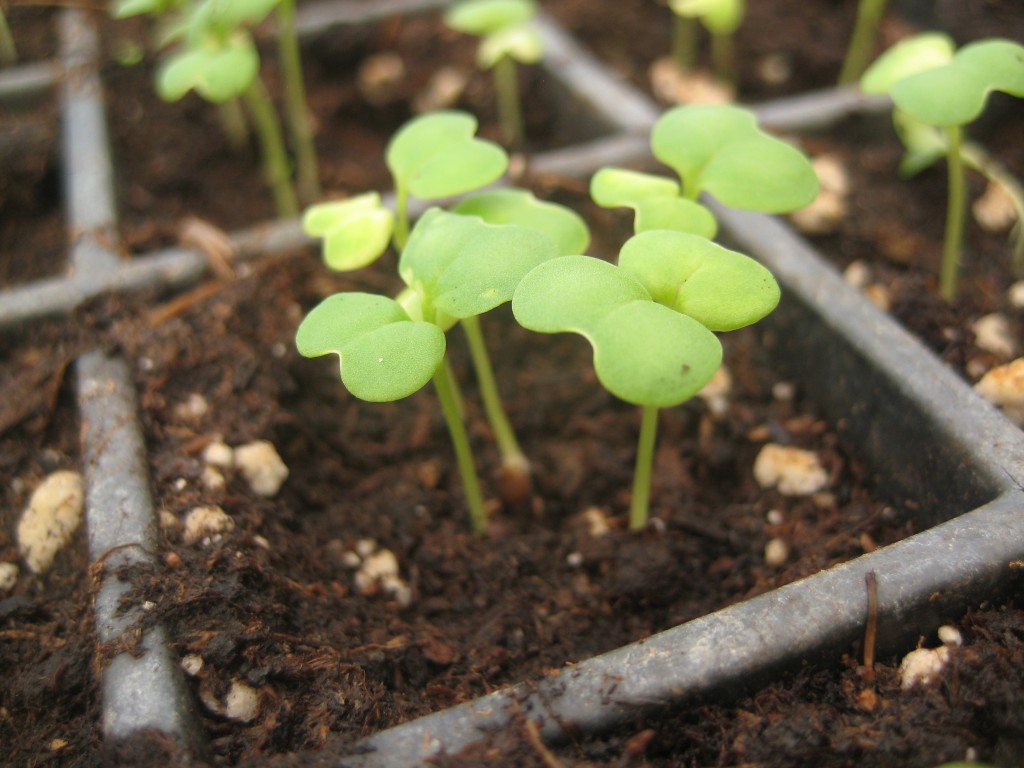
point(274, 602)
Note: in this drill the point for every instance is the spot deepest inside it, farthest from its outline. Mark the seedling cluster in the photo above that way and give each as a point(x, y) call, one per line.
point(937, 91)
point(651, 318)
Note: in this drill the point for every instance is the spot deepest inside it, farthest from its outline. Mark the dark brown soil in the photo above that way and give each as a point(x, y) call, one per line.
point(274, 603)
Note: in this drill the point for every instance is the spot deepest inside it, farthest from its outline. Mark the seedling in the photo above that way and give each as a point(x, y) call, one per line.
point(717, 149)
point(507, 38)
point(933, 85)
point(721, 18)
point(650, 321)
point(456, 267)
point(862, 41)
point(218, 59)
point(356, 231)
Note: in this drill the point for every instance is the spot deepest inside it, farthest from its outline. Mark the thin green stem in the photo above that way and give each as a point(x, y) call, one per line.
point(504, 435)
point(8, 50)
point(506, 88)
point(275, 159)
point(401, 235)
point(723, 58)
point(307, 174)
point(956, 213)
point(463, 451)
point(640, 507)
point(232, 121)
point(862, 41)
point(684, 41)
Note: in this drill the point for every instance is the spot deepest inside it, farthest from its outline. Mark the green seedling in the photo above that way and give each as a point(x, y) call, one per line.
point(217, 58)
point(507, 38)
point(714, 149)
point(650, 321)
point(932, 84)
point(862, 41)
point(456, 267)
point(721, 18)
point(356, 231)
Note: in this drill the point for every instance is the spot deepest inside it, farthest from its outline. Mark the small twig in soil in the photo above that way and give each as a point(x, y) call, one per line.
point(871, 630)
point(182, 303)
point(533, 736)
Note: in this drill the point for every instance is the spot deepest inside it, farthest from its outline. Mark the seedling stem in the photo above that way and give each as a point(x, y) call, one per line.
point(275, 159)
point(506, 86)
point(858, 55)
point(307, 179)
point(513, 460)
point(684, 41)
point(723, 57)
point(232, 121)
point(956, 213)
point(640, 506)
point(460, 442)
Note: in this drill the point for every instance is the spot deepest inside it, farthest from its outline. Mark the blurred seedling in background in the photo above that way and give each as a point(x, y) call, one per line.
point(650, 321)
point(508, 38)
point(216, 56)
point(455, 267)
point(936, 92)
point(721, 18)
point(714, 149)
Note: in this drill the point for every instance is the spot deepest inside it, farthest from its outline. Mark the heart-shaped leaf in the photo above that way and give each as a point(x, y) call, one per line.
point(437, 155)
point(572, 293)
point(384, 355)
point(955, 94)
point(520, 206)
point(720, 150)
point(644, 352)
point(722, 289)
point(464, 266)
point(356, 231)
point(216, 73)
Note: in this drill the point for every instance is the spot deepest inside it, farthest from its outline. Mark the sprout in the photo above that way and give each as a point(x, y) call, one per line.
point(936, 92)
point(456, 267)
point(650, 321)
point(716, 149)
point(721, 18)
point(8, 49)
point(507, 38)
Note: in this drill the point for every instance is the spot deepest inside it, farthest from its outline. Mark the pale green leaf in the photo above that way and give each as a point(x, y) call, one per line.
point(520, 43)
point(910, 56)
point(646, 354)
point(955, 94)
point(621, 187)
point(719, 149)
point(484, 17)
point(722, 289)
point(383, 354)
point(436, 155)
point(519, 206)
point(572, 293)
point(675, 213)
